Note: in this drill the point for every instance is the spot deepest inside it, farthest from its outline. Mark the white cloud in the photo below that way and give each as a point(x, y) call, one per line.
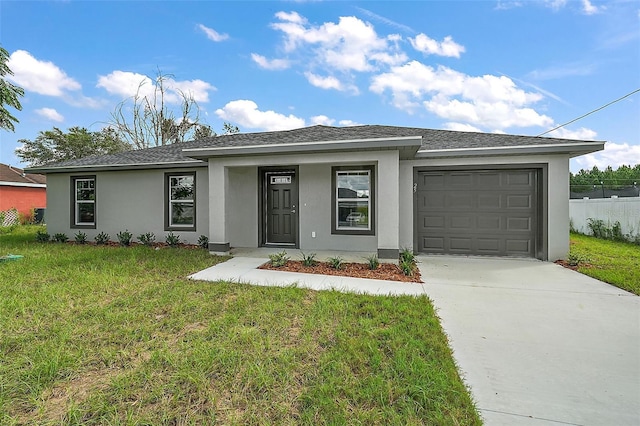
point(614, 155)
point(555, 4)
point(581, 134)
point(329, 82)
point(590, 9)
point(246, 114)
point(50, 114)
point(348, 123)
point(461, 127)
point(212, 34)
point(447, 47)
point(487, 101)
point(387, 21)
point(127, 84)
point(42, 77)
point(270, 64)
point(349, 45)
point(322, 119)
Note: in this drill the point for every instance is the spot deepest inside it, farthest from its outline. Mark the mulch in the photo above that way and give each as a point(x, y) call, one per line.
point(385, 271)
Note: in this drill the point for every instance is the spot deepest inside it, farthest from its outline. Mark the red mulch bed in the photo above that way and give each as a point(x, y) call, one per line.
point(386, 271)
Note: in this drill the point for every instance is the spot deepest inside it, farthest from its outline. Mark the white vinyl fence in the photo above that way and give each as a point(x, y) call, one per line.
point(609, 210)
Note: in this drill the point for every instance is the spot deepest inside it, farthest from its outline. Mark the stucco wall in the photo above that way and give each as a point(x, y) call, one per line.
point(556, 190)
point(125, 200)
point(22, 198)
point(239, 226)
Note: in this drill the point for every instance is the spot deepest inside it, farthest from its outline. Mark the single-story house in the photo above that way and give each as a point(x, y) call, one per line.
point(20, 191)
point(366, 188)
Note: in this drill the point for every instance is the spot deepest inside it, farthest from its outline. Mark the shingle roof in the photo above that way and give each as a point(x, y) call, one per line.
point(16, 175)
point(431, 140)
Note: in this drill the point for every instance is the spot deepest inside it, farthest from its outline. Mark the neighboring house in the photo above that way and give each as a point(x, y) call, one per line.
point(374, 189)
point(21, 191)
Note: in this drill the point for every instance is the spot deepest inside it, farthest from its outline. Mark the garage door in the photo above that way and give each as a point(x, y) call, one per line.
point(478, 212)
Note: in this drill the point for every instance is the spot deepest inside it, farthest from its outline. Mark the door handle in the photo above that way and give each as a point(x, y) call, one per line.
point(293, 211)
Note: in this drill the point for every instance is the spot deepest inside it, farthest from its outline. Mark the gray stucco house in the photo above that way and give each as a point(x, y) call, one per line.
point(365, 188)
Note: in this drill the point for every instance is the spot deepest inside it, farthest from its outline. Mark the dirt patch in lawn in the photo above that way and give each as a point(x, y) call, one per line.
point(385, 271)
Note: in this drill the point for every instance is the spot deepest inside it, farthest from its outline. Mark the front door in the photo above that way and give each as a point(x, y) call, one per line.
point(280, 207)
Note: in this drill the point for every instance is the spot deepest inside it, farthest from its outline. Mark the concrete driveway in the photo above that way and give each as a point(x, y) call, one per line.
point(539, 344)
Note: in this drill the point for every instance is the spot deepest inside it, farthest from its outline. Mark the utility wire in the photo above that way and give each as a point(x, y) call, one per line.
point(591, 112)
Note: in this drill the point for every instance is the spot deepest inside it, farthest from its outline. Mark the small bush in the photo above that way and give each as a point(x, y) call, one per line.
point(373, 262)
point(308, 259)
point(80, 237)
point(278, 260)
point(574, 259)
point(407, 267)
point(335, 262)
point(172, 239)
point(60, 237)
point(102, 238)
point(147, 239)
point(203, 241)
point(124, 238)
point(42, 237)
point(407, 255)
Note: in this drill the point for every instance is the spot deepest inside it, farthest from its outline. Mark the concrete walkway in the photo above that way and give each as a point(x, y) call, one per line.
point(536, 343)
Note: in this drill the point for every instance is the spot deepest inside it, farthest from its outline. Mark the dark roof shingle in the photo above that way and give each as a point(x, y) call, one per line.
point(431, 140)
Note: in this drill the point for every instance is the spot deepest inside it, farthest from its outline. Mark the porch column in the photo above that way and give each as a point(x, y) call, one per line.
point(388, 203)
point(218, 190)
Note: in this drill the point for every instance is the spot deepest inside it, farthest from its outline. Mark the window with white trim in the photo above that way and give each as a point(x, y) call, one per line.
point(353, 200)
point(180, 201)
point(83, 202)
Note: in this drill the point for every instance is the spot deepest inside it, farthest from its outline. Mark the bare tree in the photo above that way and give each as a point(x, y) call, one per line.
point(146, 120)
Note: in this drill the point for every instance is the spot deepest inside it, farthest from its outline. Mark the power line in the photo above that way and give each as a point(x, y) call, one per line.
point(590, 112)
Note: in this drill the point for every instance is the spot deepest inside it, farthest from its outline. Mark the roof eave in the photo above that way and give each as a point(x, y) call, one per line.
point(572, 149)
point(23, 184)
point(116, 167)
point(407, 142)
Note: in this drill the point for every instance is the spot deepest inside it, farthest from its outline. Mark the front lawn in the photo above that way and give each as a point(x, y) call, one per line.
point(111, 335)
point(613, 262)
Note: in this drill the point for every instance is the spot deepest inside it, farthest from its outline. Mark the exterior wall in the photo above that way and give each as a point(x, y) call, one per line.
point(555, 191)
point(610, 210)
point(236, 224)
point(125, 200)
point(22, 198)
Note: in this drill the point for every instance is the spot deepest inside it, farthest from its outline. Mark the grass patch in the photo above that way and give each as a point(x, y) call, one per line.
point(613, 262)
point(116, 335)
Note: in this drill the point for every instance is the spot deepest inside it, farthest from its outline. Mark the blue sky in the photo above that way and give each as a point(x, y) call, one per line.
point(520, 67)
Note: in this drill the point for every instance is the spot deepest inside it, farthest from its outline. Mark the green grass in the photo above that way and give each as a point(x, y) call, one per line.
point(613, 262)
point(118, 336)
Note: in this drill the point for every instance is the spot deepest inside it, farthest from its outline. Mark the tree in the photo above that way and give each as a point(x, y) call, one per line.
point(145, 120)
point(55, 145)
point(8, 94)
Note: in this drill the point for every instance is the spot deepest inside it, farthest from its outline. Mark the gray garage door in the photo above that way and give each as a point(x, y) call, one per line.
point(478, 212)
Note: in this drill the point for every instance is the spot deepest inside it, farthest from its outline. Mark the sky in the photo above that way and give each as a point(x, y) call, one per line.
point(518, 67)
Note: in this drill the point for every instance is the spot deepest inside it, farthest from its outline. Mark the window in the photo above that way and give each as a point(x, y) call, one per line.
point(83, 202)
point(353, 200)
point(180, 211)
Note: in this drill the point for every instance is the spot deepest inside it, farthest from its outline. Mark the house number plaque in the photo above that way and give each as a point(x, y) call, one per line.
point(279, 180)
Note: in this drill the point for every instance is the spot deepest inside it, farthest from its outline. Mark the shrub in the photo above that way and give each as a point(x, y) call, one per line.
point(407, 267)
point(407, 255)
point(203, 241)
point(278, 260)
point(124, 238)
point(147, 239)
point(80, 237)
point(574, 259)
point(335, 262)
point(308, 259)
point(172, 239)
point(60, 237)
point(42, 237)
point(373, 262)
point(102, 238)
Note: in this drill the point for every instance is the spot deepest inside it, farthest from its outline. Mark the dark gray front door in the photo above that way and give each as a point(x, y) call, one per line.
point(477, 212)
point(281, 201)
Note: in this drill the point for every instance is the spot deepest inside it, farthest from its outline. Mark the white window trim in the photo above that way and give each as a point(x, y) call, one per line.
point(338, 199)
point(78, 202)
point(171, 202)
